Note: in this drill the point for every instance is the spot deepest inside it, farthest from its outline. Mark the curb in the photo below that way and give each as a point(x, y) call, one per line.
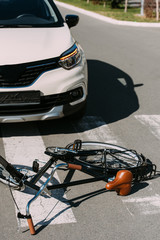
point(107, 19)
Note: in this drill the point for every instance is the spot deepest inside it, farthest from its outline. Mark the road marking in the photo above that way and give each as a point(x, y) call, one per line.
point(152, 122)
point(146, 205)
point(93, 128)
point(22, 150)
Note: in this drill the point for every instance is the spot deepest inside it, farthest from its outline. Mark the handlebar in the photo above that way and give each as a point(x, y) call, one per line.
point(30, 224)
point(74, 166)
point(42, 188)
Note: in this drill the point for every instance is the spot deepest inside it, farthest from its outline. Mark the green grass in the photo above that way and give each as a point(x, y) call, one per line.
point(133, 14)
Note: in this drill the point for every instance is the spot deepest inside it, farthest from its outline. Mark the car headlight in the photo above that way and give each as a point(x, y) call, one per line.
point(71, 57)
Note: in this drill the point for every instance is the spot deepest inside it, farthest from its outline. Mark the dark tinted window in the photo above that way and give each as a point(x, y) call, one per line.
point(29, 12)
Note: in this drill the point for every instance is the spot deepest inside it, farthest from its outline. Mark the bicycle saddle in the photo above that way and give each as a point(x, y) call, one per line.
point(122, 183)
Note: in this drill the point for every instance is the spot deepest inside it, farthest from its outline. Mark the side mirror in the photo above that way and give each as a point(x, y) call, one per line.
point(72, 20)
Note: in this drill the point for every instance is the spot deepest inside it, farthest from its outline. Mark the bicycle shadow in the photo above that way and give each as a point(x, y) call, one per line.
point(57, 193)
point(75, 202)
point(138, 186)
point(70, 203)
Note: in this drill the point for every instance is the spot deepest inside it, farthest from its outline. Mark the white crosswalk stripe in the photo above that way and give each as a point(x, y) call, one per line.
point(94, 128)
point(143, 205)
point(152, 122)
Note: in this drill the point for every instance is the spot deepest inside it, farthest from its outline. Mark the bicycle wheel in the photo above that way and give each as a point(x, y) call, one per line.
point(113, 158)
point(9, 175)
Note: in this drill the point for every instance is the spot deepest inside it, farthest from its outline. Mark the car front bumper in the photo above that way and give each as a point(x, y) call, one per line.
point(54, 113)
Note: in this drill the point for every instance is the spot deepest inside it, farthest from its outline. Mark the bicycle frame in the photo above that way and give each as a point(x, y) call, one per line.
point(86, 168)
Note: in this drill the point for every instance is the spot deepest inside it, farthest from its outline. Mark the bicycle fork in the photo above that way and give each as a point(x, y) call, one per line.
point(44, 188)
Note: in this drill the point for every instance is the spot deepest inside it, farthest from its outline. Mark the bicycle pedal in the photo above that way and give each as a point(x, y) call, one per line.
point(77, 144)
point(35, 166)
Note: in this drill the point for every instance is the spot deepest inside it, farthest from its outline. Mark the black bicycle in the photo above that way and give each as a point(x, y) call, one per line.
point(117, 166)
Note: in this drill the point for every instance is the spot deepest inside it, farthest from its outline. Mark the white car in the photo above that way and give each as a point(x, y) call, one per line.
point(43, 70)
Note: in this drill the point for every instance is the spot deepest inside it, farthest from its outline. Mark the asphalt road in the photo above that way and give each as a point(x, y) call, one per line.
point(123, 108)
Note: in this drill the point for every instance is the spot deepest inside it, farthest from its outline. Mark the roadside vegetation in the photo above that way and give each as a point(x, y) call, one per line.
point(116, 9)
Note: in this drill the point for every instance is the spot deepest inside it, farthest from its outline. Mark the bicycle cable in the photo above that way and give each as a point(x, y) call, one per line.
point(13, 198)
point(16, 205)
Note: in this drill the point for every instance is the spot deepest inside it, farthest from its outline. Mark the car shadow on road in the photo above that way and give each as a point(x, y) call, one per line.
point(111, 92)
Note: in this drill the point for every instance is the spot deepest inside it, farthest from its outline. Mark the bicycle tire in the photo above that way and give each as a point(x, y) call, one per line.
point(117, 158)
point(9, 174)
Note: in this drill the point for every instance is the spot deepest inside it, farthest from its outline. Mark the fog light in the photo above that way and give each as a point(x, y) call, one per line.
point(76, 94)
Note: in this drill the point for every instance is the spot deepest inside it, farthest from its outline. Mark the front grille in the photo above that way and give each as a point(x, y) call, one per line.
point(22, 75)
point(46, 103)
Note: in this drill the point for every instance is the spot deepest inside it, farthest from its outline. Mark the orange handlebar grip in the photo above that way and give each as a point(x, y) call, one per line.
point(31, 226)
point(74, 166)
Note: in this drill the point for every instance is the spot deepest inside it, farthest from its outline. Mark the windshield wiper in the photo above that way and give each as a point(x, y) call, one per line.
point(16, 26)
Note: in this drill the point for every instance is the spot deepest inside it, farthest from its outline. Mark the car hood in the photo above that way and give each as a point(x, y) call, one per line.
point(19, 45)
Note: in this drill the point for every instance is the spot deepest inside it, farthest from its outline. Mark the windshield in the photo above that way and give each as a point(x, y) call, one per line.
point(29, 13)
